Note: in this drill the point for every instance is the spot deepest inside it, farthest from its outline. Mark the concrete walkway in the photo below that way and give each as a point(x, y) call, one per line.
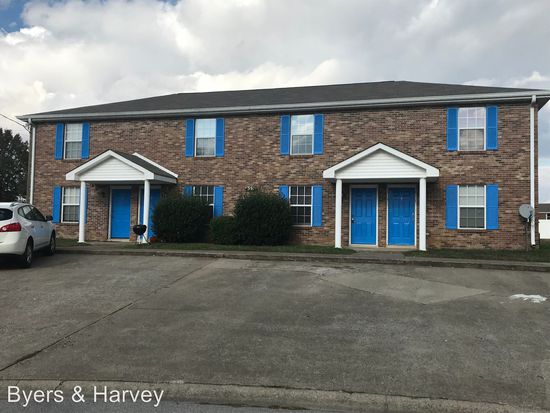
point(361, 257)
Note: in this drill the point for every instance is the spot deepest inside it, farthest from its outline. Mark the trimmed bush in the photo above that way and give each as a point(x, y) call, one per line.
point(180, 218)
point(223, 231)
point(262, 218)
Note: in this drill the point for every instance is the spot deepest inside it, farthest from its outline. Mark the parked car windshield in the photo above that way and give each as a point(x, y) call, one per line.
point(5, 214)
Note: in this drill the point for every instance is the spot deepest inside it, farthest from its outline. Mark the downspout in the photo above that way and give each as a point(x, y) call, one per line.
point(532, 167)
point(31, 174)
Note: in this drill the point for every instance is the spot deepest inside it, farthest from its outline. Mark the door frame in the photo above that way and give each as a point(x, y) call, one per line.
point(375, 186)
point(388, 186)
point(111, 207)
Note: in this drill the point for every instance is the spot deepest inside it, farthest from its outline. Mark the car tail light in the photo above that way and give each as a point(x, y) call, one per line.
point(13, 227)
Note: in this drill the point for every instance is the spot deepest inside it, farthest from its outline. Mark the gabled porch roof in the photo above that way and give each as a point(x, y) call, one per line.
point(119, 167)
point(381, 162)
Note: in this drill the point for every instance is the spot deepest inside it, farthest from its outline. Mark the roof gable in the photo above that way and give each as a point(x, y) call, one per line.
point(381, 162)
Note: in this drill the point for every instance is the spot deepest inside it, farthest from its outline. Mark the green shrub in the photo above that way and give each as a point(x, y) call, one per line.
point(180, 218)
point(223, 231)
point(262, 218)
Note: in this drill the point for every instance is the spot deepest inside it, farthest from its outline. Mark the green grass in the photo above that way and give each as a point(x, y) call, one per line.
point(312, 249)
point(541, 255)
point(64, 242)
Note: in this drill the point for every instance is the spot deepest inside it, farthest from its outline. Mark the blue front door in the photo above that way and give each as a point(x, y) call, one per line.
point(120, 213)
point(363, 216)
point(153, 200)
point(401, 206)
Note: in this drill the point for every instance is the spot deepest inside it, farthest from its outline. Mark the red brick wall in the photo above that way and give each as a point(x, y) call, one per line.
point(252, 157)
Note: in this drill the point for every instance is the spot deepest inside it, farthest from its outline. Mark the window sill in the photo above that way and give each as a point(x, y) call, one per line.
point(472, 229)
point(486, 152)
point(207, 157)
point(302, 226)
point(301, 156)
point(68, 223)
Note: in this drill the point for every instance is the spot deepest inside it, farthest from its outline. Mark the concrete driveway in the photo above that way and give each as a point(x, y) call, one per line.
point(392, 330)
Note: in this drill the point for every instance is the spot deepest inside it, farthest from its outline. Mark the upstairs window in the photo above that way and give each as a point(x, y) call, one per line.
point(301, 135)
point(471, 206)
point(73, 141)
point(205, 137)
point(70, 204)
point(471, 129)
point(205, 192)
point(300, 204)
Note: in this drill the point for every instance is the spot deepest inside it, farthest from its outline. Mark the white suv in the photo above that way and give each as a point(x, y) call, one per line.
point(24, 230)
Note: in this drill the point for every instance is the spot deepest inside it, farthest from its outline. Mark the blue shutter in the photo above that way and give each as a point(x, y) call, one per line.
point(219, 136)
point(317, 206)
point(451, 215)
point(190, 138)
point(85, 140)
point(492, 206)
point(285, 134)
point(318, 127)
point(218, 201)
point(283, 191)
point(188, 190)
point(452, 129)
point(56, 204)
point(59, 128)
point(492, 128)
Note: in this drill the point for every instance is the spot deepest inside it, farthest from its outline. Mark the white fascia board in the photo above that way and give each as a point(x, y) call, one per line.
point(431, 172)
point(164, 179)
point(409, 101)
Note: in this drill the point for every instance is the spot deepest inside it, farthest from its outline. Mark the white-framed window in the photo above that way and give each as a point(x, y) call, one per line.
point(73, 141)
point(70, 204)
point(300, 204)
point(205, 192)
point(548, 216)
point(301, 134)
point(205, 137)
point(471, 206)
point(471, 129)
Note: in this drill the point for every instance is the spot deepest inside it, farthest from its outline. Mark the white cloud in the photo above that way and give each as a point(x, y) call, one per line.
point(77, 52)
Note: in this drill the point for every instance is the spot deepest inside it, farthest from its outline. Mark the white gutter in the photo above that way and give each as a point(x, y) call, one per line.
point(351, 104)
point(33, 145)
point(532, 166)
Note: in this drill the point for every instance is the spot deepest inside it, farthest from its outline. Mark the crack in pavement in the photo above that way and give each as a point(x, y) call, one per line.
point(78, 330)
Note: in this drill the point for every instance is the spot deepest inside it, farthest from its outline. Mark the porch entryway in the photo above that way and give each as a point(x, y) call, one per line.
point(120, 172)
point(402, 210)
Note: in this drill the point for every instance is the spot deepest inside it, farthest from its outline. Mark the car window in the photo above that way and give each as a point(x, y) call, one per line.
point(37, 215)
point(24, 212)
point(5, 214)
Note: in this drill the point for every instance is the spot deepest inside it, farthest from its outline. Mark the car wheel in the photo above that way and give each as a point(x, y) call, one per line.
point(28, 255)
point(51, 247)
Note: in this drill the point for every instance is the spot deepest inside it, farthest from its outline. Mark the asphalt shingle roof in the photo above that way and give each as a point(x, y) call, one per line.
point(144, 164)
point(284, 96)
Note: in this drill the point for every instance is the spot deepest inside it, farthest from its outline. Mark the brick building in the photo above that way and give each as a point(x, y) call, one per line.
point(381, 164)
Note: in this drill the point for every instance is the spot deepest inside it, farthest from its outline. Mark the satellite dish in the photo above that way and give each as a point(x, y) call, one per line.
point(526, 211)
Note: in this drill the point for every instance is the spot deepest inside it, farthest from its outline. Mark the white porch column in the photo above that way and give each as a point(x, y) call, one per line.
point(82, 213)
point(146, 199)
point(422, 215)
point(338, 217)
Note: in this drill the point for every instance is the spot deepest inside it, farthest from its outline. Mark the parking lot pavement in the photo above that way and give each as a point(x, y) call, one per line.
point(379, 329)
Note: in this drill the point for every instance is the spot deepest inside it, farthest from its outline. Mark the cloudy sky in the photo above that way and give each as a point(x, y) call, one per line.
point(57, 54)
